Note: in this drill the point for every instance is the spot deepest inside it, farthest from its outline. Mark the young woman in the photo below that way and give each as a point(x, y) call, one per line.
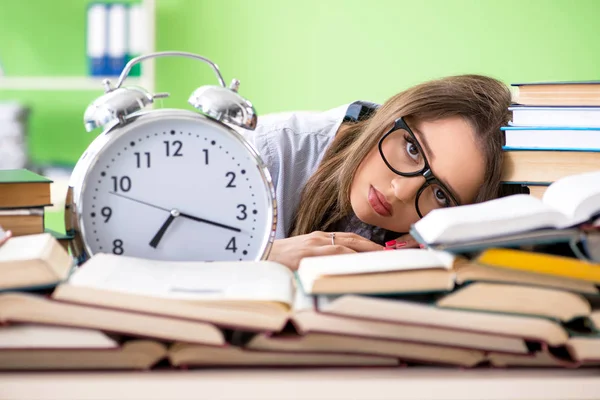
point(347, 186)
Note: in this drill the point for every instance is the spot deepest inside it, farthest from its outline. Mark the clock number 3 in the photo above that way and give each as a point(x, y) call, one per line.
point(243, 215)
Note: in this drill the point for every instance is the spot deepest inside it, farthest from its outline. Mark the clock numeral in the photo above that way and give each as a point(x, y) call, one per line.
point(232, 175)
point(138, 159)
point(106, 213)
point(173, 148)
point(117, 247)
point(205, 156)
point(231, 245)
point(242, 208)
point(123, 184)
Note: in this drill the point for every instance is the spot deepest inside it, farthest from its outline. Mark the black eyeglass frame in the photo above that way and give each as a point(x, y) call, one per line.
point(425, 172)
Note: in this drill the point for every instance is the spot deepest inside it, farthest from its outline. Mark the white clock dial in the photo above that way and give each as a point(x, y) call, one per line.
point(177, 188)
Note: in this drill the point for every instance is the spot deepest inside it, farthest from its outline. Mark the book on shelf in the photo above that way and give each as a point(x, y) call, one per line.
point(568, 202)
point(526, 116)
point(552, 139)
point(21, 188)
point(33, 262)
point(582, 93)
point(544, 167)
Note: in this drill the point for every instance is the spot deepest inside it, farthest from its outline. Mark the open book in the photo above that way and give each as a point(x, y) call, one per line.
point(248, 295)
point(33, 261)
point(567, 202)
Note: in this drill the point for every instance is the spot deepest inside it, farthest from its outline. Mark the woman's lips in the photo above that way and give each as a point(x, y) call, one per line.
point(379, 203)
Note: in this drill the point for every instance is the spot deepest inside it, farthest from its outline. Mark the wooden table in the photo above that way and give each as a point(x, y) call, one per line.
point(331, 384)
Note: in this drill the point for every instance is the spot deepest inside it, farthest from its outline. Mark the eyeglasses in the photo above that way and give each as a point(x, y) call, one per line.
point(403, 154)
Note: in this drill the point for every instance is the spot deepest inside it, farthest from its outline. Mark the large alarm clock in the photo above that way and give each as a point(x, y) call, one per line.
point(171, 184)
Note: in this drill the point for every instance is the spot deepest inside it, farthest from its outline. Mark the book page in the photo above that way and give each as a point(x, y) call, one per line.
point(576, 196)
point(506, 215)
point(189, 280)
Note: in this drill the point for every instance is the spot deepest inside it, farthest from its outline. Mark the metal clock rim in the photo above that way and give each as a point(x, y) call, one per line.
point(77, 183)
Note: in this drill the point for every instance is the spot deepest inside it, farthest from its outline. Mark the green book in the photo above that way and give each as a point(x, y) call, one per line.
point(21, 188)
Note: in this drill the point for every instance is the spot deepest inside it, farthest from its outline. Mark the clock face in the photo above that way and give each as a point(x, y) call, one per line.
point(177, 187)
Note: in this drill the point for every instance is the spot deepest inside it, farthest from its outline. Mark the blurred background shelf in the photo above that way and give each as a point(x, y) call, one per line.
point(63, 82)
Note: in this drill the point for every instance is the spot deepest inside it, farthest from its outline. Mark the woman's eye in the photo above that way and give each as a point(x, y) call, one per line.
point(441, 197)
point(412, 150)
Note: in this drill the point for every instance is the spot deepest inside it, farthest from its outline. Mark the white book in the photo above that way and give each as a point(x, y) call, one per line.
point(117, 38)
point(97, 43)
point(567, 202)
point(556, 116)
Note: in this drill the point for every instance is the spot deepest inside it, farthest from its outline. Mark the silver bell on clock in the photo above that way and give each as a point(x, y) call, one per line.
point(171, 184)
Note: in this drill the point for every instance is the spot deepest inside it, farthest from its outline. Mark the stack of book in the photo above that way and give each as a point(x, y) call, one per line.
point(24, 198)
point(482, 294)
point(555, 132)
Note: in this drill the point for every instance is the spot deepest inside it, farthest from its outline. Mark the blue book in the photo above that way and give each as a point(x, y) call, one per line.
point(574, 138)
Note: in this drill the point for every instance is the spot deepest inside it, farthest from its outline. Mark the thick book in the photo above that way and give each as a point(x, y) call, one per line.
point(544, 167)
point(561, 305)
point(382, 272)
point(565, 138)
point(583, 93)
point(35, 309)
point(33, 261)
point(529, 329)
point(555, 116)
point(566, 203)
point(23, 221)
point(192, 355)
point(248, 295)
point(21, 188)
point(44, 347)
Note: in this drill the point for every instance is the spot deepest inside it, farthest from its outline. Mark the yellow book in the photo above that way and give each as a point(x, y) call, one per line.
point(541, 264)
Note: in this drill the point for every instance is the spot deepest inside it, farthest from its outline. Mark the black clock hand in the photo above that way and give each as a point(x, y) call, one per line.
point(206, 221)
point(156, 239)
point(231, 228)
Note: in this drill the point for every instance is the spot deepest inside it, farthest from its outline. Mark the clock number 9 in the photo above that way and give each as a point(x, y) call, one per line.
point(106, 213)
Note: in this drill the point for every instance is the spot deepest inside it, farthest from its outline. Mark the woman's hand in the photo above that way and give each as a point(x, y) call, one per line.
point(4, 236)
point(403, 242)
point(290, 251)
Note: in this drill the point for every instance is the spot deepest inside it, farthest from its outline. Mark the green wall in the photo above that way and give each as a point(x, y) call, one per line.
point(309, 54)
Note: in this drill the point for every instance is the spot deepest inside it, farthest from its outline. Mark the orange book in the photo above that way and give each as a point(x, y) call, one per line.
point(541, 263)
point(584, 93)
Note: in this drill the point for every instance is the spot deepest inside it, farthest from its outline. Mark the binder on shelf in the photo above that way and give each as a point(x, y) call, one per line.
point(97, 46)
point(136, 22)
point(117, 38)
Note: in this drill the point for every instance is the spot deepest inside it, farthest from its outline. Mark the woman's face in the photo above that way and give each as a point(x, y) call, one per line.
point(382, 198)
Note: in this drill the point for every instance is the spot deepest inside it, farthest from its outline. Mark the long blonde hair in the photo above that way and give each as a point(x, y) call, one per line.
point(481, 100)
